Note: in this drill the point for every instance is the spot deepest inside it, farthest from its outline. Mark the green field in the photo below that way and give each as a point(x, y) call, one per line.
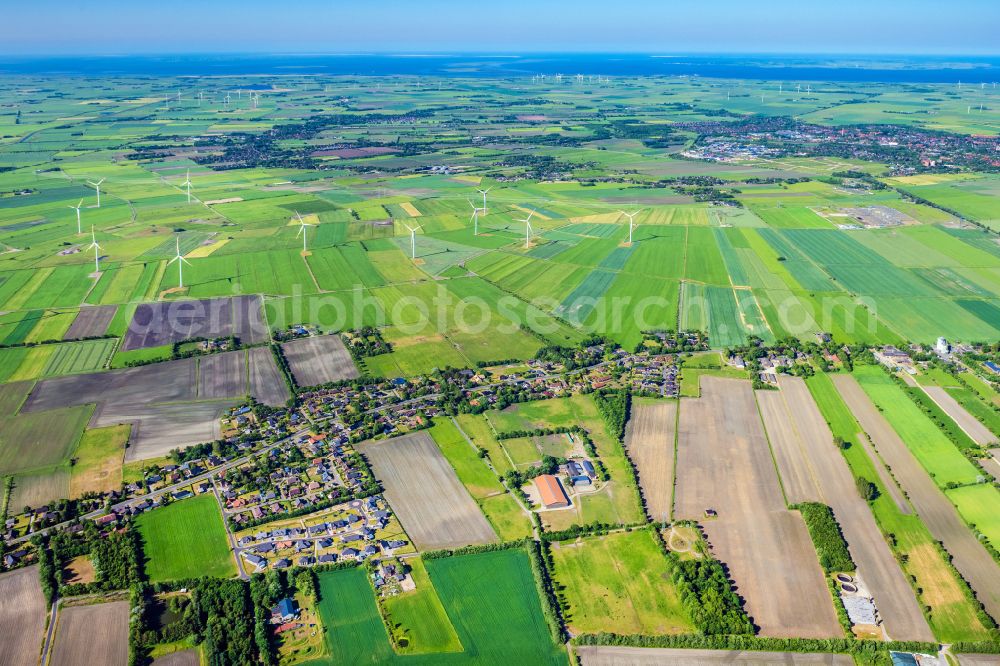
point(942, 460)
point(952, 617)
point(618, 583)
point(186, 540)
point(479, 593)
point(979, 505)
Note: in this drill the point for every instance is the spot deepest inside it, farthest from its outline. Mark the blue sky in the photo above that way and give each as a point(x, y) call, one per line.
point(664, 26)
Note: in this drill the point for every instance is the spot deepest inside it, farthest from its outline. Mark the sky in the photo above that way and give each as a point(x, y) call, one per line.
point(37, 27)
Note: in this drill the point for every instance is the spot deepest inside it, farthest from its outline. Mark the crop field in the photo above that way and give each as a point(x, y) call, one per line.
point(185, 540)
point(22, 616)
point(812, 470)
point(979, 433)
point(157, 324)
point(478, 592)
point(98, 460)
point(319, 359)
point(942, 460)
point(92, 634)
point(266, 381)
point(432, 504)
point(936, 511)
point(649, 442)
point(724, 463)
point(979, 505)
point(91, 322)
point(76, 357)
point(617, 583)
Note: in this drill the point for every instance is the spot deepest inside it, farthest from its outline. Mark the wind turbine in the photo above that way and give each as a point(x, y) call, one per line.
point(483, 192)
point(97, 249)
point(77, 209)
point(97, 186)
point(187, 183)
point(631, 217)
point(527, 229)
point(413, 240)
point(302, 230)
point(180, 264)
point(475, 218)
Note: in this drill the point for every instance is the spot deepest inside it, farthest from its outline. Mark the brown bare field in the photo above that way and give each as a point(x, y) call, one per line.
point(22, 617)
point(80, 570)
point(649, 442)
point(979, 433)
point(181, 658)
point(968, 555)
point(156, 429)
point(813, 470)
point(978, 659)
point(592, 655)
point(95, 634)
point(163, 323)
point(91, 321)
point(38, 489)
point(432, 504)
point(992, 464)
point(160, 401)
point(895, 492)
point(724, 463)
point(319, 359)
point(266, 383)
point(222, 375)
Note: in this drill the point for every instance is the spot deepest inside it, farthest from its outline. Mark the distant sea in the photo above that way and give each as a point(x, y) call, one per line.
point(858, 68)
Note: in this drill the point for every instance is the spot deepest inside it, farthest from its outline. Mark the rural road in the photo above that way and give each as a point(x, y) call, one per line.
point(47, 646)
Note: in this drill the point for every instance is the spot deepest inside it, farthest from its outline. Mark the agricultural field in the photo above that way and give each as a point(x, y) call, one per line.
point(319, 360)
point(649, 442)
point(185, 540)
point(484, 223)
point(724, 464)
point(617, 583)
point(434, 507)
point(22, 616)
point(95, 633)
point(478, 592)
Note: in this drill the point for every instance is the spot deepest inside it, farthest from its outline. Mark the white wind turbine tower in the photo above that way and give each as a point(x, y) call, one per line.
point(97, 186)
point(201, 97)
point(302, 230)
point(528, 231)
point(631, 217)
point(97, 250)
point(413, 240)
point(475, 218)
point(187, 184)
point(483, 192)
point(77, 208)
point(180, 264)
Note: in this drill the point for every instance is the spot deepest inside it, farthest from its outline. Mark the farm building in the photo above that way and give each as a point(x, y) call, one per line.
point(551, 492)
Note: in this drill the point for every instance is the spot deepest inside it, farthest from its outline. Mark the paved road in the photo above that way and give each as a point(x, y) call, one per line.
point(47, 646)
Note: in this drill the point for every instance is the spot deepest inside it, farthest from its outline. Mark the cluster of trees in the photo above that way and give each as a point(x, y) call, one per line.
point(366, 342)
point(614, 407)
point(706, 594)
point(827, 537)
point(864, 651)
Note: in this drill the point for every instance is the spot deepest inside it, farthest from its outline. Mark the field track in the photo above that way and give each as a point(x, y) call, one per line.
point(594, 655)
point(95, 634)
point(937, 512)
point(813, 470)
point(724, 463)
point(319, 359)
point(432, 504)
point(649, 442)
point(22, 617)
point(979, 433)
